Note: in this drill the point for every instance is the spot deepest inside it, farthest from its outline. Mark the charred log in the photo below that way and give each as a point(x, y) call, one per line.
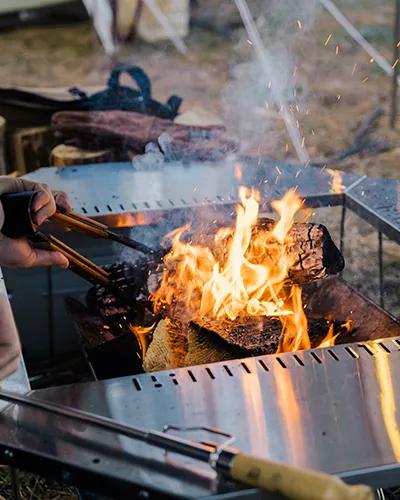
point(316, 255)
point(215, 340)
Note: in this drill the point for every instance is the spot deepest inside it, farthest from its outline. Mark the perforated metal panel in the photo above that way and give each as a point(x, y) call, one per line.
point(331, 409)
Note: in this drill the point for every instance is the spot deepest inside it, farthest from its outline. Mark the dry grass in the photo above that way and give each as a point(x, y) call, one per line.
point(34, 487)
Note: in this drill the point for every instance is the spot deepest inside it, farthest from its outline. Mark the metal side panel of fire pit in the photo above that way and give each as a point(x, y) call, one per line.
point(119, 195)
point(378, 202)
point(331, 409)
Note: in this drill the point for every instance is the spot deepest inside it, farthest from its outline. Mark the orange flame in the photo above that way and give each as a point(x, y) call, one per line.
point(243, 271)
point(142, 334)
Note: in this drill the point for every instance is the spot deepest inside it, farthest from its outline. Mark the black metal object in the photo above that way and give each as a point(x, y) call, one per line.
point(18, 221)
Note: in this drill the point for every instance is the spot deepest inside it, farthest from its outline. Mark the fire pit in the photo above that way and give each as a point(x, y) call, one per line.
point(331, 408)
point(227, 292)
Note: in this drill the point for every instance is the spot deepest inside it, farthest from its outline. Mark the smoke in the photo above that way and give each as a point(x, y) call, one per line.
point(267, 82)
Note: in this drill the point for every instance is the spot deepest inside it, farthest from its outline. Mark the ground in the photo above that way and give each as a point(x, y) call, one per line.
point(339, 94)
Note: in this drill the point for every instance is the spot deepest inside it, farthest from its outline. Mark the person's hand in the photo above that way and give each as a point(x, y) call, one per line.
point(19, 254)
point(9, 340)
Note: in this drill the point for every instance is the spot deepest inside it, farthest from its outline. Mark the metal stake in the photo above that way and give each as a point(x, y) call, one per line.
point(342, 231)
point(15, 484)
point(396, 53)
point(380, 264)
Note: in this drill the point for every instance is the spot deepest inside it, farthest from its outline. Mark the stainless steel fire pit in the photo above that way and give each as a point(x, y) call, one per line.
point(333, 409)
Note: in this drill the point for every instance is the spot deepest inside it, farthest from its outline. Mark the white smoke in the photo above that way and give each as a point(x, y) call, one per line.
point(263, 82)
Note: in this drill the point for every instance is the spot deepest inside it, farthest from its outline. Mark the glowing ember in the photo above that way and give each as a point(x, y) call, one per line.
point(238, 272)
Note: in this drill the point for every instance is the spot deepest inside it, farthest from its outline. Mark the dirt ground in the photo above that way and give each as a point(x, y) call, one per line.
point(341, 89)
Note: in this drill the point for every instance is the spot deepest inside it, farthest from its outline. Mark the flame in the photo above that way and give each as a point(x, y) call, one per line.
point(241, 271)
point(142, 334)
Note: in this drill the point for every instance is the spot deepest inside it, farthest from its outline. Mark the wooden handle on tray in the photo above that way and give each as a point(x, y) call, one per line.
point(294, 483)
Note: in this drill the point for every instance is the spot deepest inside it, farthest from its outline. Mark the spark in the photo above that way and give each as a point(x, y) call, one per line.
point(291, 110)
point(298, 173)
point(258, 149)
point(269, 84)
point(299, 24)
point(338, 96)
point(294, 92)
point(362, 194)
point(312, 131)
point(337, 49)
point(287, 148)
point(365, 79)
point(395, 63)
point(398, 44)
point(277, 179)
point(354, 69)
point(297, 124)
point(372, 59)
point(307, 112)
point(259, 161)
point(276, 166)
point(302, 142)
point(194, 190)
point(266, 104)
point(307, 163)
point(249, 42)
point(297, 107)
point(295, 71)
point(328, 39)
point(322, 169)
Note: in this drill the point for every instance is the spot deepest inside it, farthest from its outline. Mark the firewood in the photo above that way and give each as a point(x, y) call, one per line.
point(67, 156)
point(316, 255)
point(260, 335)
point(215, 340)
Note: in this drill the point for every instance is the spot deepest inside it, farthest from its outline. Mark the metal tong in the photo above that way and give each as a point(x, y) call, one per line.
point(19, 224)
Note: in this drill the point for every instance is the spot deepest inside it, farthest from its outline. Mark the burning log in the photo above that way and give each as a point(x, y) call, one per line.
point(315, 254)
point(211, 341)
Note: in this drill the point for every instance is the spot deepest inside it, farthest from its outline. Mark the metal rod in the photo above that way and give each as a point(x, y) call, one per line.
point(396, 52)
point(50, 311)
point(342, 230)
point(380, 265)
point(356, 35)
point(162, 440)
point(15, 484)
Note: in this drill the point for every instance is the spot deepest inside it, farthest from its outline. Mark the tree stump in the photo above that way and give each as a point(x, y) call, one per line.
point(68, 156)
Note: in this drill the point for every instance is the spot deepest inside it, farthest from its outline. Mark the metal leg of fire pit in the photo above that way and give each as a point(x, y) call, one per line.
point(50, 312)
point(380, 264)
point(342, 230)
point(15, 484)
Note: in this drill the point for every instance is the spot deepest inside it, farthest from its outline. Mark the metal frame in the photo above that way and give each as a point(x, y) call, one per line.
point(377, 201)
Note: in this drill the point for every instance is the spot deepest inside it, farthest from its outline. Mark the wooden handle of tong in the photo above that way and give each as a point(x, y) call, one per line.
point(80, 224)
point(294, 483)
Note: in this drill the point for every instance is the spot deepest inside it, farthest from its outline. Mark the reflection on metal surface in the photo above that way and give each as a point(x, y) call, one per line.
point(321, 410)
point(292, 431)
point(337, 181)
point(18, 381)
point(255, 416)
point(387, 397)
